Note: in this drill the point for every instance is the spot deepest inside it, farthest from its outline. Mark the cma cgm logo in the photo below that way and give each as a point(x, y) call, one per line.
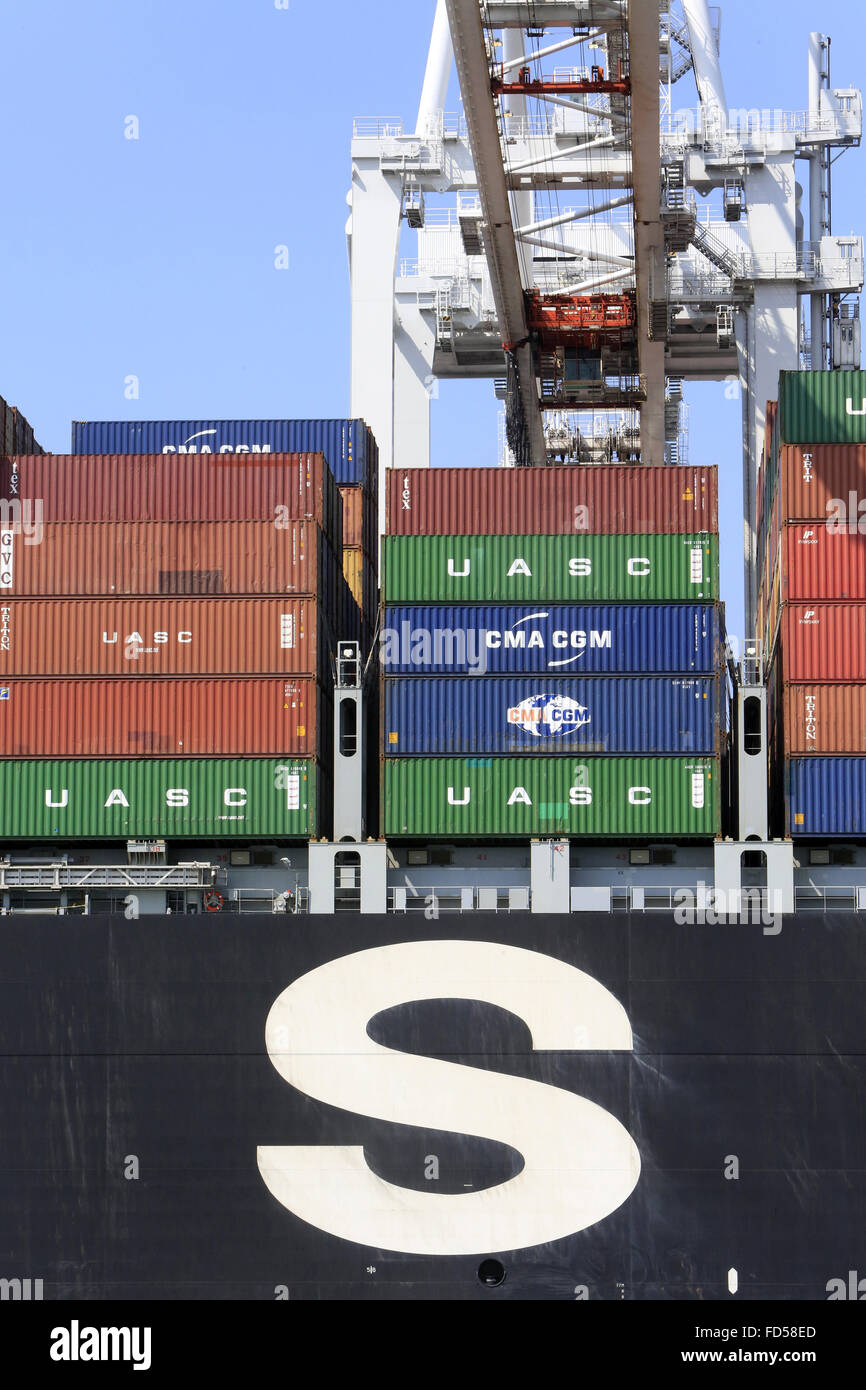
point(579, 1162)
point(549, 716)
point(205, 442)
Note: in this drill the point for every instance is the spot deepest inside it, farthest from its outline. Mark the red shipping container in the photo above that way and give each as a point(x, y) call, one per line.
point(165, 637)
point(813, 482)
point(164, 718)
point(608, 499)
point(176, 487)
point(823, 642)
point(824, 719)
point(170, 557)
point(821, 563)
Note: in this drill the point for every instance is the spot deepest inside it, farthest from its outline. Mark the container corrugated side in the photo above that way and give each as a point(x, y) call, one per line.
point(528, 569)
point(348, 445)
point(825, 796)
point(505, 797)
point(823, 642)
point(500, 715)
point(361, 579)
point(821, 562)
point(818, 483)
point(360, 518)
point(828, 720)
point(610, 499)
point(485, 639)
point(169, 557)
point(206, 718)
point(172, 798)
point(165, 487)
point(822, 408)
point(165, 637)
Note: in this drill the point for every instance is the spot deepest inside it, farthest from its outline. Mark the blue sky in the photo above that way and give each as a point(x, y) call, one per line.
point(155, 257)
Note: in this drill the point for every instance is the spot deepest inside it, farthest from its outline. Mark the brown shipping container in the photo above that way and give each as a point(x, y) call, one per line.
point(823, 642)
point(609, 499)
point(812, 481)
point(165, 637)
point(169, 557)
point(360, 519)
point(164, 718)
point(176, 487)
point(824, 719)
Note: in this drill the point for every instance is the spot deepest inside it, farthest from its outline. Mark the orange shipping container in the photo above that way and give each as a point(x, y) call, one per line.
point(165, 637)
point(163, 718)
point(824, 719)
point(169, 557)
point(360, 518)
point(361, 579)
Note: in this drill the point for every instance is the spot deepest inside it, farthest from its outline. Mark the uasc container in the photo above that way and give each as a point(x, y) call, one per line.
point(170, 557)
point(615, 499)
point(178, 798)
point(583, 568)
point(557, 639)
point(117, 718)
point(165, 487)
point(348, 445)
point(165, 637)
point(497, 714)
point(822, 408)
point(504, 797)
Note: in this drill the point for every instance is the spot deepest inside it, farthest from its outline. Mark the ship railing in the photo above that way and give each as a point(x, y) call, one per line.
point(432, 900)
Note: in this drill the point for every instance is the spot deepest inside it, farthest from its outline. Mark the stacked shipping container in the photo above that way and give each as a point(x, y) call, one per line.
point(166, 638)
point(16, 433)
point(812, 600)
point(536, 616)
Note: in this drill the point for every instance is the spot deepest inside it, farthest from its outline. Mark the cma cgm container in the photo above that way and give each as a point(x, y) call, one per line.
point(164, 487)
point(499, 797)
point(556, 639)
point(822, 408)
point(822, 719)
point(348, 445)
point(491, 569)
point(166, 637)
point(119, 718)
point(497, 714)
point(173, 798)
point(823, 642)
point(170, 557)
point(825, 796)
point(613, 499)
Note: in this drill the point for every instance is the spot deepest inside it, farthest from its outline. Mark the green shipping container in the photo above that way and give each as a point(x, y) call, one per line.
point(541, 569)
point(164, 797)
point(822, 408)
point(449, 798)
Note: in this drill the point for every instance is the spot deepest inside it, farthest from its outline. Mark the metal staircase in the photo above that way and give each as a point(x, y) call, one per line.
point(717, 254)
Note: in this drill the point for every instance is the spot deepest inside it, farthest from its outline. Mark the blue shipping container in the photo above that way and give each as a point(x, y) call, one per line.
point(560, 639)
point(825, 796)
point(501, 715)
point(348, 445)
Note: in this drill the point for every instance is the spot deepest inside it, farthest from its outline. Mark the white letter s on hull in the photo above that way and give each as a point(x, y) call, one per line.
point(580, 1163)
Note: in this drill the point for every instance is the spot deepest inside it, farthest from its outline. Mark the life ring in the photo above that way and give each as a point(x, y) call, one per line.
point(213, 900)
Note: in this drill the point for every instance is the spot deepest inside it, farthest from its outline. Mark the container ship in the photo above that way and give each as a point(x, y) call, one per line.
point(410, 887)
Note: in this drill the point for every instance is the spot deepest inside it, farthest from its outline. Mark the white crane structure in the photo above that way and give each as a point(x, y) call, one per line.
point(560, 247)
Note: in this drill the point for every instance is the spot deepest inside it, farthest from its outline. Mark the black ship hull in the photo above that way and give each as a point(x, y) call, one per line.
point(138, 1097)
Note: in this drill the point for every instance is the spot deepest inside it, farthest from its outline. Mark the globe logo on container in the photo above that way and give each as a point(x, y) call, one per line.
point(549, 716)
